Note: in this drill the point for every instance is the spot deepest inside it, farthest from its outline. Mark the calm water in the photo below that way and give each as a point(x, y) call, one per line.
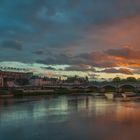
point(68, 118)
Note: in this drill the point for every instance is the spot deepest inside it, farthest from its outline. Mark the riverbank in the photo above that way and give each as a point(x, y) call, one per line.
point(37, 92)
point(127, 96)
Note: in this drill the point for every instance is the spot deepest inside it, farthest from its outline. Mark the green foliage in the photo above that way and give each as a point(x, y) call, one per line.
point(128, 79)
point(131, 79)
point(117, 79)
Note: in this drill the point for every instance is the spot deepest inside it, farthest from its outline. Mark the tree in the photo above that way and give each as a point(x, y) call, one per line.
point(138, 79)
point(131, 79)
point(86, 78)
point(117, 80)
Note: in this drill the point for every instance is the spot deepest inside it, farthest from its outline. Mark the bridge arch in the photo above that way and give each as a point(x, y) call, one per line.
point(93, 88)
point(127, 88)
point(108, 88)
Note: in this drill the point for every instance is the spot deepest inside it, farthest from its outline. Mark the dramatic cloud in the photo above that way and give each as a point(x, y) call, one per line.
point(49, 68)
point(109, 58)
point(12, 44)
point(81, 67)
point(39, 52)
point(80, 33)
point(126, 53)
point(125, 56)
point(121, 70)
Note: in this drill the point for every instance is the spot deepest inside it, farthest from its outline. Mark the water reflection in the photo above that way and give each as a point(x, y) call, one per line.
point(68, 117)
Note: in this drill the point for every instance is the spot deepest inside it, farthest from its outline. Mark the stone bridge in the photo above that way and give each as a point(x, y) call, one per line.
point(135, 86)
point(102, 85)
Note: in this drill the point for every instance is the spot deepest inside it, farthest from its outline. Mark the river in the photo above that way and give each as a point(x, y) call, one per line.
point(68, 118)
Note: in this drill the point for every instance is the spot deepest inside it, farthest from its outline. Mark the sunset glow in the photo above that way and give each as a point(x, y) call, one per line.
point(71, 37)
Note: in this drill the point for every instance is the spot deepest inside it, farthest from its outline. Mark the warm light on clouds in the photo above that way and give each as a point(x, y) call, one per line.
point(70, 37)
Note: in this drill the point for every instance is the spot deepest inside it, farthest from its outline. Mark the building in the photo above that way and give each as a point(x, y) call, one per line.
point(7, 77)
point(76, 80)
point(35, 81)
point(39, 81)
point(1, 81)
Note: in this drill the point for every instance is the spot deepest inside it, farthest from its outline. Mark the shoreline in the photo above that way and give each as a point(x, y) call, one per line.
point(114, 96)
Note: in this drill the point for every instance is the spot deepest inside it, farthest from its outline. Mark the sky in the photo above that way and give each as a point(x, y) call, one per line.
point(94, 38)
